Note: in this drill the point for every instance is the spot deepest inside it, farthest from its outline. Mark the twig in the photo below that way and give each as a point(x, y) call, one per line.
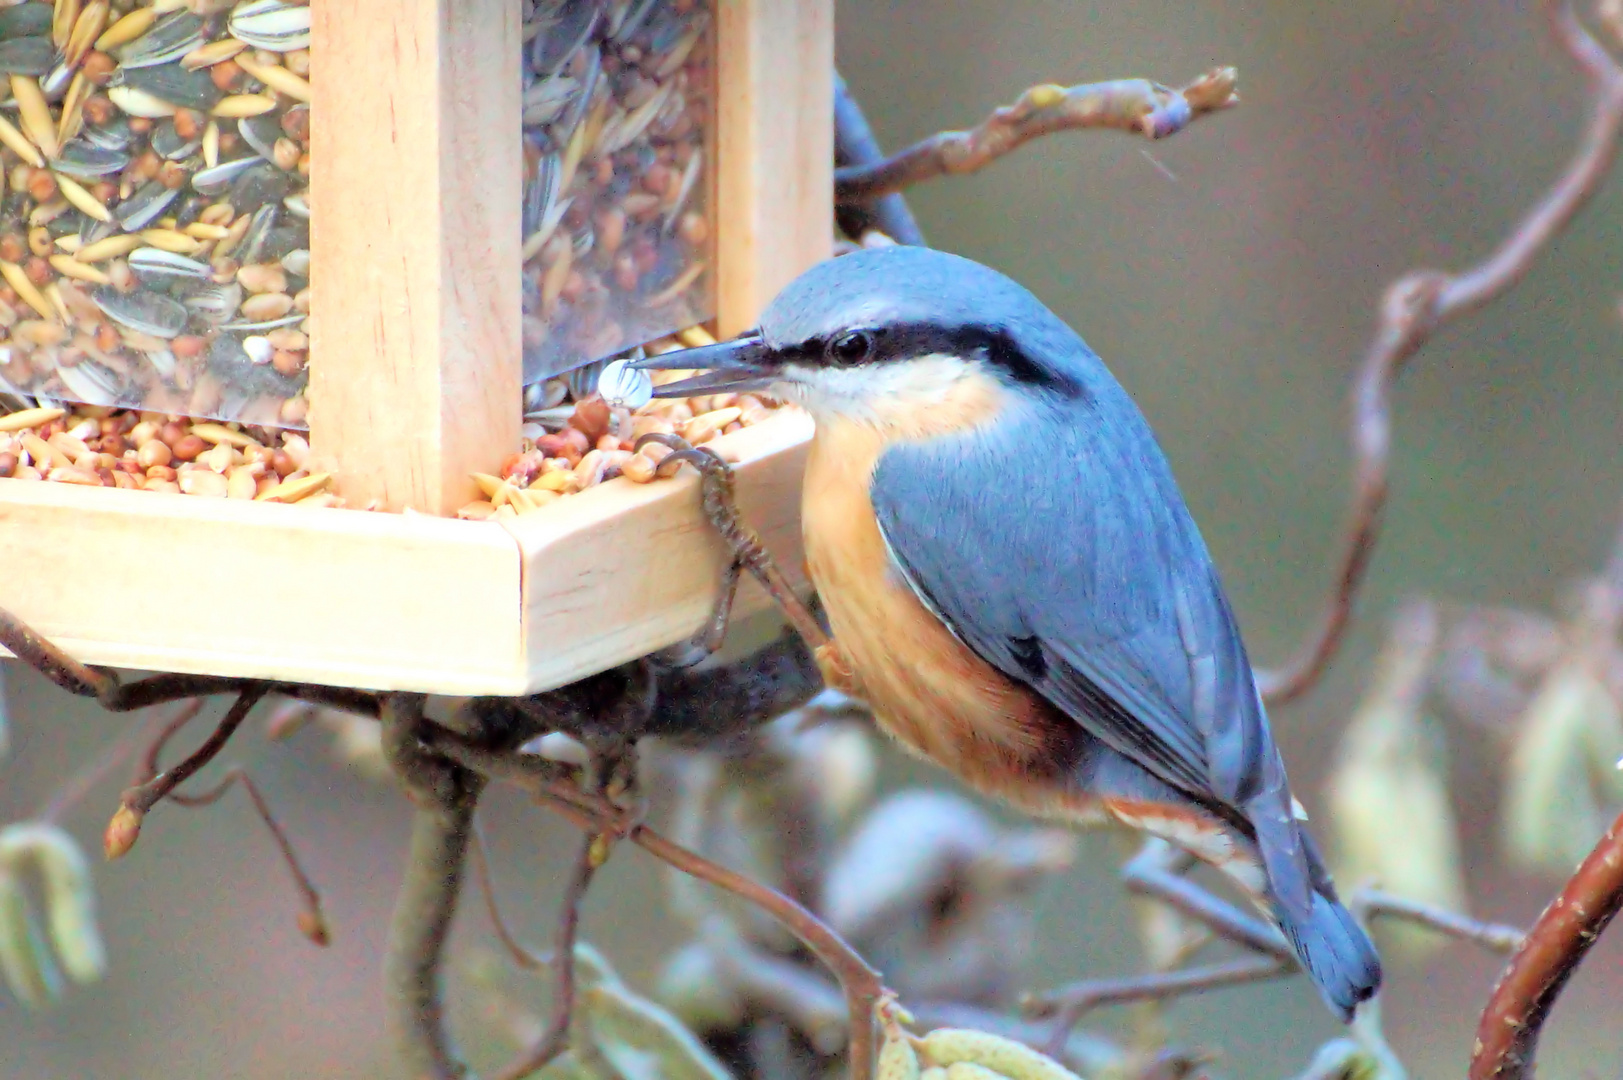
point(1133, 105)
point(1156, 873)
point(1507, 1036)
point(134, 804)
point(44, 657)
point(1224, 919)
point(1495, 937)
point(445, 797)
point(855, 145)
point(555, 1040)
point(81, 783)
point(1415, 307)
point(312, 920)
point(144, 796)
point(860, 983)
point(49, 660)
point(516, 950)
point(1071, 1003)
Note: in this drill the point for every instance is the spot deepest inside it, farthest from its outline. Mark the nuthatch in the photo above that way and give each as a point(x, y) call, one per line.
point(1013, 581)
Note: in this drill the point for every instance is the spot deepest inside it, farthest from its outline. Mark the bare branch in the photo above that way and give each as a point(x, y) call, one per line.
point(555, 1040)
point(1223, 918)
point(1368, 904)
point(1133, 105)
point(1415, 307)
point(516, 950)
point(81, 783)
point(1070, 1003)
point(134, 804)
point(44, 657)
point(445, 797)
point(1507, 1036)
point(858, 980)
point(312, 920)
point(855, 146)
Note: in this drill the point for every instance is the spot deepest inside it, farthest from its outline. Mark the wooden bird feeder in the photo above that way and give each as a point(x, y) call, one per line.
point(417, 344)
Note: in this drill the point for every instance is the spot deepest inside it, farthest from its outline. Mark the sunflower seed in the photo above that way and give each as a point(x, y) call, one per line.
point(113, 135)
point(90, 383)
point(54, 84)
point(27, 56)
point(144, 312)
point(163, 361)
point(566, 26)
point(212, 306)
point(222, 176)
point(265, 324)
point(172, 83)
point(261, 133)
point(630, 20)
point(145, 206)
point(151, 262)
point(26, 20)
point(252, 247)
point(170, 145)
point(271, 25)
point(84, 160)
point(258, 185)
point(172, 37)
point(544, 100)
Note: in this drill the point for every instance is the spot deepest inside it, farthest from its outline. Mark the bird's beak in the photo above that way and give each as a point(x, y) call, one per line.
point(741, 364)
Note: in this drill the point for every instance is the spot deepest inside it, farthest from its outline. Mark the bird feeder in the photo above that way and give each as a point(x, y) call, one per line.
point(405, 178)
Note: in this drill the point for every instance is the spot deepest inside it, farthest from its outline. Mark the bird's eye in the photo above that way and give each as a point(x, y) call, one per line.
point(851, 347)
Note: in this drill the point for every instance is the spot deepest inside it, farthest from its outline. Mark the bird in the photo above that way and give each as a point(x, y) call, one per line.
point(1013, 582)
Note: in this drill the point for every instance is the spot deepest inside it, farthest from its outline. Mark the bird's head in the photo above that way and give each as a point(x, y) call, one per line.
point(866, 334)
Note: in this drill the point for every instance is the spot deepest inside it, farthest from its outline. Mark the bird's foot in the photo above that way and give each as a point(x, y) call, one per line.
point(744, 544)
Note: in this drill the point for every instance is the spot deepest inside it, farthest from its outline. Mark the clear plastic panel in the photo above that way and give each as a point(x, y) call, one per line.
point(618, 125)
point(154, 233)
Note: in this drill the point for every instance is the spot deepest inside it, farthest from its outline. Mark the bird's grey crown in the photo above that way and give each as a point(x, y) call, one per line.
point(915, 286)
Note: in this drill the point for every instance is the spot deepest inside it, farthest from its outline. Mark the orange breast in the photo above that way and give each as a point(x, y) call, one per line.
point(926, 688)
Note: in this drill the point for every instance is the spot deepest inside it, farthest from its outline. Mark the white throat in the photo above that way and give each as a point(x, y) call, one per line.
point(871, 393)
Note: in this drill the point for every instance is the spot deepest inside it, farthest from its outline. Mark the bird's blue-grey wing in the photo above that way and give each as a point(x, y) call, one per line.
point(1060, 551)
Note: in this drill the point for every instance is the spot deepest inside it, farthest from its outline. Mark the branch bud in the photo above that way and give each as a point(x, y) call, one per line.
point(313, 925)
point(122, 832)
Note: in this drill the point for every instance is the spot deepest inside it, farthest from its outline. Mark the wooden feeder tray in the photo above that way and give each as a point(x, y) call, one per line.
point(388, 601)
point(416, 385)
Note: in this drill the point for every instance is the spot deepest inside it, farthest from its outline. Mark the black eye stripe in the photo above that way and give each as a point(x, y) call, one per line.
point(905, 341)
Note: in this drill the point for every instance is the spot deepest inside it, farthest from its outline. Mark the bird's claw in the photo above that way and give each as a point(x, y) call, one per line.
point(743, 543)
point(716, 486)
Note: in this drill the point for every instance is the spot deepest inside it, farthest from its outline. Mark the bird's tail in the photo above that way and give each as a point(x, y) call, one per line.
point(1332, 947)
point(1334, 951)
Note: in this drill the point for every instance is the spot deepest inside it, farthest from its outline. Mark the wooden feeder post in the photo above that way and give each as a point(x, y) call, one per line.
point(775, 141)
point(415, 247)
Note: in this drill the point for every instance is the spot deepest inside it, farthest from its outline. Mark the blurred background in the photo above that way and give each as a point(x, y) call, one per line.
point(1229, 276)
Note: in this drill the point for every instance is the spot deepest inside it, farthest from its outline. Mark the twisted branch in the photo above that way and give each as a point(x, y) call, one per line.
point(1507, 1036)
point(555, 1039)
point(1132, 105)
point(445, 796)
point(856, 146)
point(1422, 302)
